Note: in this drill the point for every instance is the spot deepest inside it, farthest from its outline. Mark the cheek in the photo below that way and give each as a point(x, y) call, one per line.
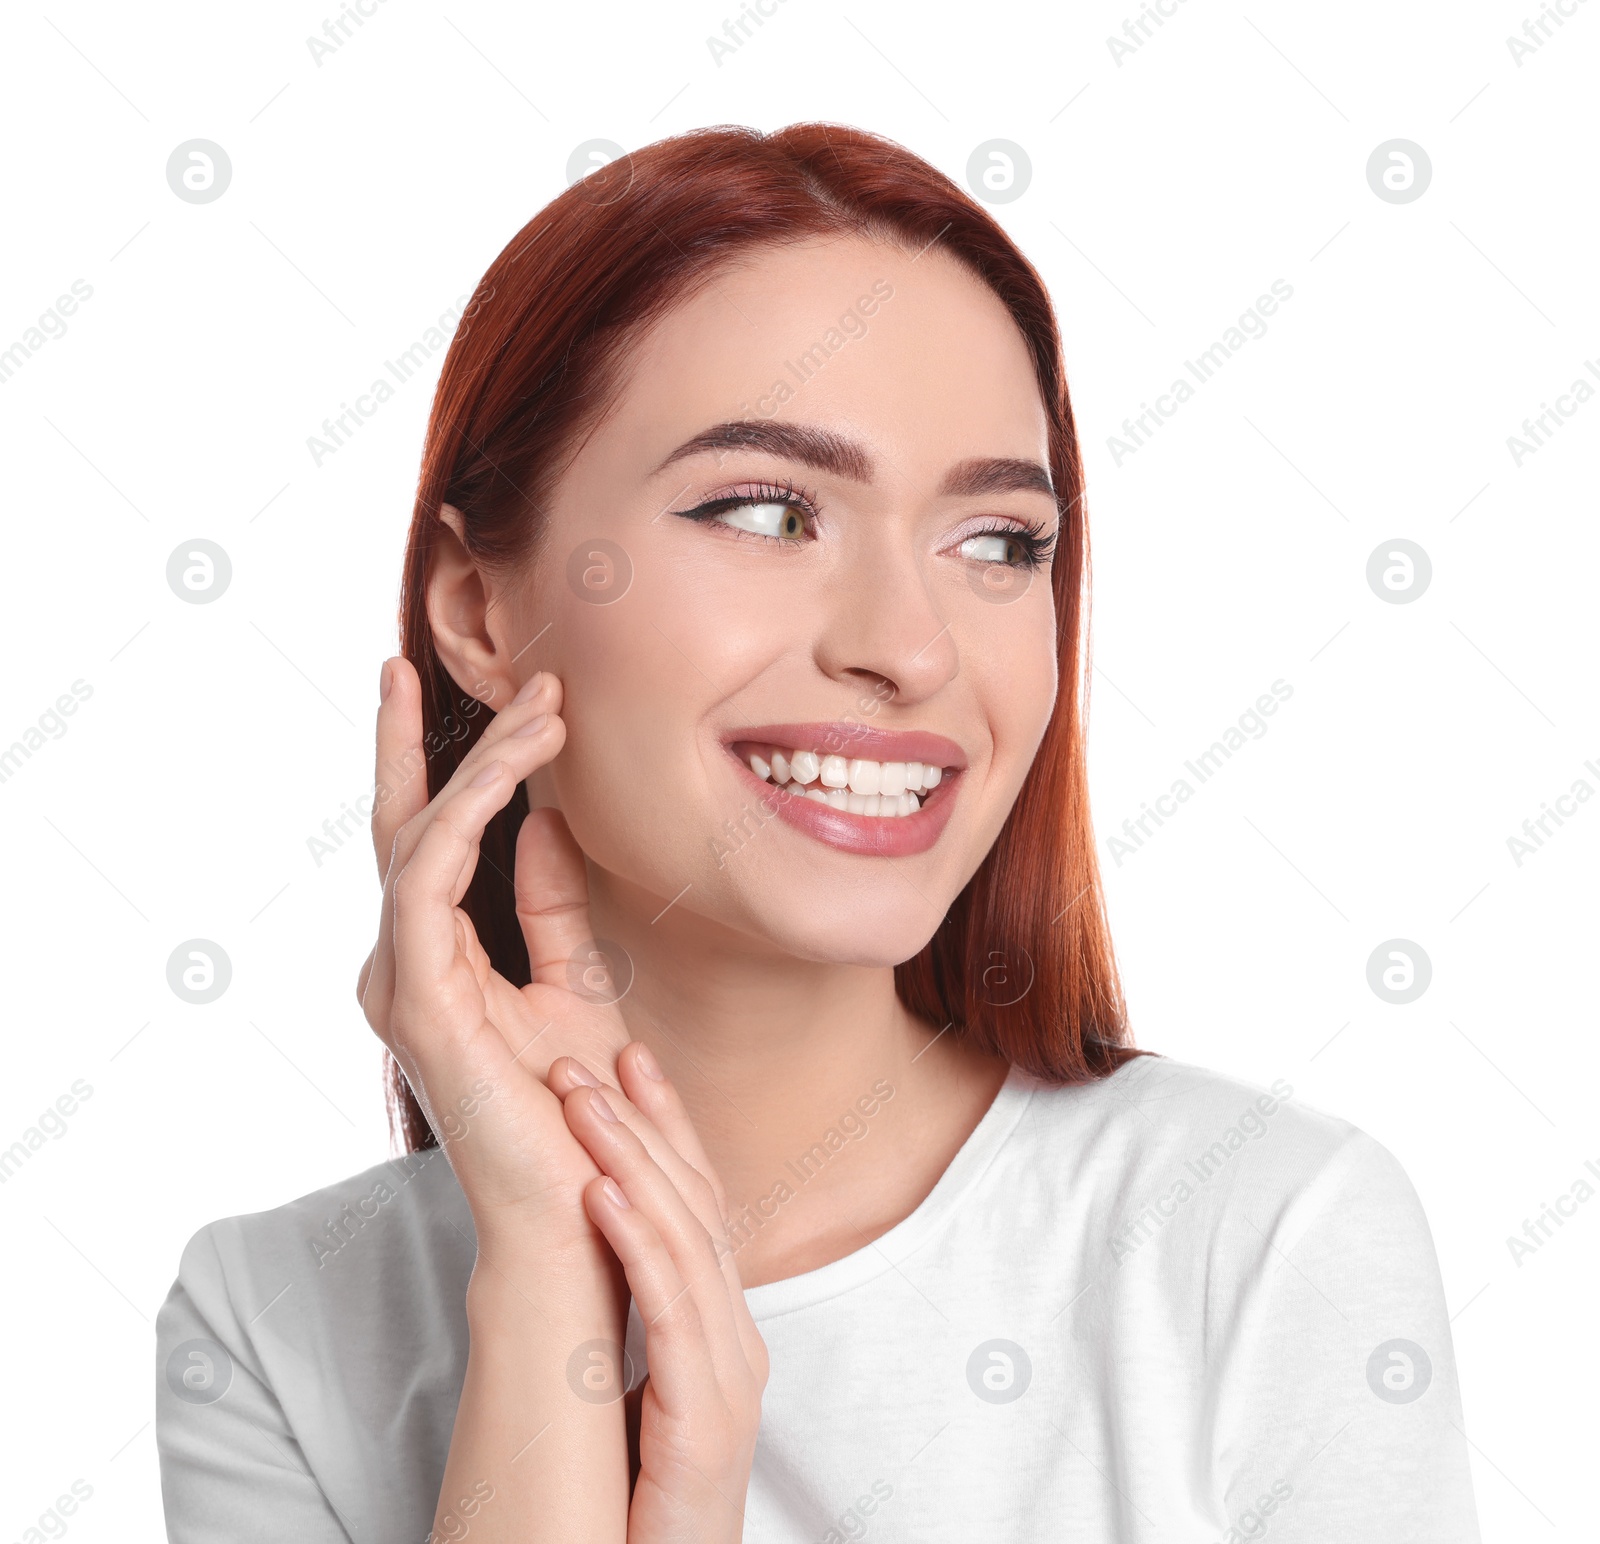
point(623, 702)
point(1010, 664)
point(642, 677)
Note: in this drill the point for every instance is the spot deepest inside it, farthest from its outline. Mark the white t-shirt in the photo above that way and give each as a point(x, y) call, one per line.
point(1163, 1308)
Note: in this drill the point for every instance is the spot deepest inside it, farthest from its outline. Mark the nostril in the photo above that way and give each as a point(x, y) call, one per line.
point(879, 686)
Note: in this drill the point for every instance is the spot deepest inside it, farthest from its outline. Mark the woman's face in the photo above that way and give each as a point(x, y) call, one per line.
point(803, 533)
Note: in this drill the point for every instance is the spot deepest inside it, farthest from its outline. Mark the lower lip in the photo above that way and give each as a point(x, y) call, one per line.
point(875, 836)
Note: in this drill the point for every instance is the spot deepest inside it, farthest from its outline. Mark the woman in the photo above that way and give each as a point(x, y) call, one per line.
point(743, 953)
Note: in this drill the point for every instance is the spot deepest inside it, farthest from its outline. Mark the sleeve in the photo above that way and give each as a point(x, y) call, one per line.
point(1340, 1420)
point(230, 1465)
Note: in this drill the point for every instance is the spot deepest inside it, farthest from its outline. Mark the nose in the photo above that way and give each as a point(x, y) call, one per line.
point(883, 627)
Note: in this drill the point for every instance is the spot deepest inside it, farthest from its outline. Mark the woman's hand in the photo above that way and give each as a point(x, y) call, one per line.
point(662, 1210)
point(503, 1076)
point(476, 1049)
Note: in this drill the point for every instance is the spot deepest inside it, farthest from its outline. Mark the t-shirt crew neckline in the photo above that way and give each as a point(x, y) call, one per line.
point(889, 1249)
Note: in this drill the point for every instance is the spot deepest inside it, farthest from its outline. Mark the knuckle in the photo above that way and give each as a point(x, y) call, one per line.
point(409, 834)
point(706, 1245)
point(437, 1003)
point(705, 1198)
point(409, 887)
point(745, 1407)
point(377, 1020)
point(681, 1318)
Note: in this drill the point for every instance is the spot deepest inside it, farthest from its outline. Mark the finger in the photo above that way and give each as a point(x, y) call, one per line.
point(402, 800)
point(400, 784)
point(365, 975)
point(655, 1097)
point(450, 1052)
point(651, 1108)
point(525, 736)
point(426, 891)
point(692, 1178)
point(505, 738)
point(465, 812)
point(620, 1153)
point(552, 890)
point(682, 1369)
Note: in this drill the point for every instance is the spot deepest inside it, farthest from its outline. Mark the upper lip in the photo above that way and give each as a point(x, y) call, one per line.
point(856, 741)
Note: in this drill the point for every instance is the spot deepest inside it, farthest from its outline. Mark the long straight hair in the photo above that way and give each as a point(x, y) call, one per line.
point(1023, 964)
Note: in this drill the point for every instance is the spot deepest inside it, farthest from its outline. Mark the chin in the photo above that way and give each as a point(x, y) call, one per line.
point(850, 935)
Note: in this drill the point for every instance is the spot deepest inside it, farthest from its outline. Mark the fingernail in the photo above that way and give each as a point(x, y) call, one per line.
point(533, 726)
point(601, 1108)
point(615, 1196)
point(385, 681)
point(581, 1074)
point(488, 775)
point(530, 688)
point(644, 1059)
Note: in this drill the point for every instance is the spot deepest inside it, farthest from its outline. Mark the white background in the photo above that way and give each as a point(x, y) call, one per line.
point(1168, 191)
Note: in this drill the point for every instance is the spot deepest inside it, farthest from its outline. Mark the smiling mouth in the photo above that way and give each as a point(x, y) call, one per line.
point(855, 787)
point(889, 790)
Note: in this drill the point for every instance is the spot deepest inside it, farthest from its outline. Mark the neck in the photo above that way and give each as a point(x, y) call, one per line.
point(826, 1107)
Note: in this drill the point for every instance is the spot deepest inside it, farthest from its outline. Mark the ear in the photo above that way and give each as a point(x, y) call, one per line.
point(461, 599)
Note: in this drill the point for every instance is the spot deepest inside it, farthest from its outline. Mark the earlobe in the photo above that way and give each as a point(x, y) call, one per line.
point(459, 598)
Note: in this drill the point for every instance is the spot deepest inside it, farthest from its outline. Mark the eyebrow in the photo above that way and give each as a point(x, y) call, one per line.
point(830, 452)
point(997, 474)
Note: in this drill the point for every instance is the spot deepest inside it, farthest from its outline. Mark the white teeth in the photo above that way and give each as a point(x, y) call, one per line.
point(885, 789)
point(866, 777)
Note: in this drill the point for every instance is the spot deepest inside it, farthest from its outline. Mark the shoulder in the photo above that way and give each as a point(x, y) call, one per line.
point(326, 1338)
point(1161, 1141)
point(399, 1229)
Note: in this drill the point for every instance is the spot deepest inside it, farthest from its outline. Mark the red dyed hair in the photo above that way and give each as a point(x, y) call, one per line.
point(540, 353)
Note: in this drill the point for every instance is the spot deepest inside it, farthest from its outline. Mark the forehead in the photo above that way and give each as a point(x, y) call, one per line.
point(908, 351)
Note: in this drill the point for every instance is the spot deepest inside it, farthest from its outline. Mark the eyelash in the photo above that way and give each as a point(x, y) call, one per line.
point(1035, 544)
point(762, 493)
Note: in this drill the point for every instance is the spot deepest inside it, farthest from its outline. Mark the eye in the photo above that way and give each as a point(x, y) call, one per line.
point(997, 548)
point(765, 512)
point(786, 522)
point(1001, 544)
